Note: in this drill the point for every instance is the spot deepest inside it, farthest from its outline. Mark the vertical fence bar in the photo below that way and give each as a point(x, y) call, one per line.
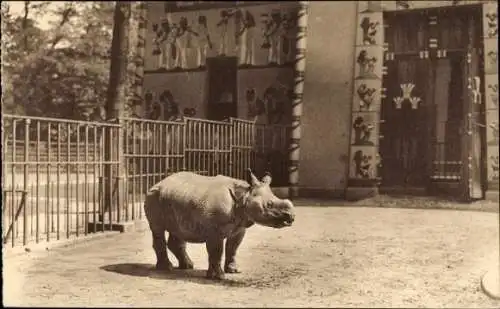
point(13, 169)
point(102, 184)
point(77, 185)
point(109, 178)
point(25, 180)
point(125, 135)
point(96, 179)
point(58, 180)
point(86, 180)
point(37, 178)
point(47, 203)
point(134, 166)
point(68, 182)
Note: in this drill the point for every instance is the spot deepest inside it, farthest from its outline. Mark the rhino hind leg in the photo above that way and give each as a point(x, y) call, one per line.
point(178, 247)
point(232, 244)
point(160, 247)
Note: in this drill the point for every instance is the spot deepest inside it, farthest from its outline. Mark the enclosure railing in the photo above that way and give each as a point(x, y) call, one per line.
point(54, 170)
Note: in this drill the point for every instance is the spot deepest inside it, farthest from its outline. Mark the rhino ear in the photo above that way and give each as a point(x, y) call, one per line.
point(267, 178)
point(251, 179)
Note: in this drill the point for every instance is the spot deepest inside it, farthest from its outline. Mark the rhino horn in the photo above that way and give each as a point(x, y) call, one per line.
point(252, 180)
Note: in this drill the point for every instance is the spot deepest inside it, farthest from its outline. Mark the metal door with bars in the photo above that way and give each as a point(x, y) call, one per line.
point(431, 129)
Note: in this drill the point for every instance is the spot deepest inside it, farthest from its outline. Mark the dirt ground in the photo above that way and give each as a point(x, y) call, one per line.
point(331, 257)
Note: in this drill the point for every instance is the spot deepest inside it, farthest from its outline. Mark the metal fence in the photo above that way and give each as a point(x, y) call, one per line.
point(65, 178)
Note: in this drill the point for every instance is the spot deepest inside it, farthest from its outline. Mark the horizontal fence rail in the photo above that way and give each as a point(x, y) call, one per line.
point(65, 178)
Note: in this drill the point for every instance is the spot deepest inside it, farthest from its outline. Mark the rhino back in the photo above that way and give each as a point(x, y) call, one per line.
point(195, 206)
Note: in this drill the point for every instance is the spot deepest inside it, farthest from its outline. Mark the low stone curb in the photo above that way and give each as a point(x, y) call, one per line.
point(9, 252)
point(411, 203)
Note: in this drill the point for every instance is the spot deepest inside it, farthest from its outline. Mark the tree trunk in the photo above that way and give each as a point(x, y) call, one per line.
point(119, 61)
point(116, 97)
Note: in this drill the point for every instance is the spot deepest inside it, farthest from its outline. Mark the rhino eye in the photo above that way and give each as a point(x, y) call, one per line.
point(269, 204)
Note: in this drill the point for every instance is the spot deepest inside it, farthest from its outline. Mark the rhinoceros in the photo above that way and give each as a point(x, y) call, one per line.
point(194, 208)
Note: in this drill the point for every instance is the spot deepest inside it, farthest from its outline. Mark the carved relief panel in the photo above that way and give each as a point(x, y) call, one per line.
point(491, 89)
point(369, 62)
point(365, 129)
point(370, 30)
point(367, 95)
point(364, 162)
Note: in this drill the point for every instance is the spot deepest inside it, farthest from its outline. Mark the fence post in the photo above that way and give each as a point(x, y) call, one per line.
point(300, 64)
point(25, 180)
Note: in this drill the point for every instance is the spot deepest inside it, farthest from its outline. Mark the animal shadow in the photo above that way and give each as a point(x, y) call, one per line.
point(190, 275)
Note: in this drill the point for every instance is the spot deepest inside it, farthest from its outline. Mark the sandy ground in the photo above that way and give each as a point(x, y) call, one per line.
point(331, 257)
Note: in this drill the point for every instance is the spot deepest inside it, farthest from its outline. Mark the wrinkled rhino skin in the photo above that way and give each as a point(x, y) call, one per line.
point(210, 209)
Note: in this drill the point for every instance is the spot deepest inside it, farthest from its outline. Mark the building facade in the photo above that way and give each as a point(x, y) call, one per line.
point(379, 95)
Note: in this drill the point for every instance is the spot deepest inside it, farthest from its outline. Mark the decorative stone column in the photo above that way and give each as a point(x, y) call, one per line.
point(490, 34)
point(138, 100)
point(364, 136)
point(298, 91)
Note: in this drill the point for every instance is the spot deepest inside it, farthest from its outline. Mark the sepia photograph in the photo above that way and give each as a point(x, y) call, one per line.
point(293, 154)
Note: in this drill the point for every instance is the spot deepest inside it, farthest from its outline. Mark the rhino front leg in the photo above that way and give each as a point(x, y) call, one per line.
point(232, 244)
point(214, 248)
point(160, 247)
point(178, 248)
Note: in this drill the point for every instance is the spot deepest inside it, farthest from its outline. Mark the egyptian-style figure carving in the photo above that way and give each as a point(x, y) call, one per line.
point(272, 36)
point(494, 131)
point(494, 167)
point(362, 132)
point(245, 36)
point(369, 30)
point(366, 64)
point(164, 43)
point(183, 42)
point(171, 108)
point(362, 165)
point(289, 30)
point(204, 42)
point(493, 58)
point(492, 21)
point(366, 96)
point(256, 106)
point(222, 25)
point(494, 94)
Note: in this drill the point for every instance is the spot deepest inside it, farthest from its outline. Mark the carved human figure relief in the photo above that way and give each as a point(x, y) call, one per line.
point(492, 22)
point(362, 165)
point(494, 133)
point(245, 36)
point(222, 26)
point(183, 42)
point(493, 58)
point(288, 30)
point(369, 31)
point(272, 36)
point(366, 64)
point(366, 96)
point(494, 167)
point(362, 132)
point(203, 40)
point(494, 94)
point(164, 43)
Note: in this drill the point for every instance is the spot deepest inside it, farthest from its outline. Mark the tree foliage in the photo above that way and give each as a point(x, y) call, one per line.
point(62, 70)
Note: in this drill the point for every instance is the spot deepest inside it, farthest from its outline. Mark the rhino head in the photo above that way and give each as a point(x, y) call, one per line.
point(262, 206)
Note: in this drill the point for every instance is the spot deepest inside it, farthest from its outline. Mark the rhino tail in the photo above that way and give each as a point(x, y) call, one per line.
point(151, 204)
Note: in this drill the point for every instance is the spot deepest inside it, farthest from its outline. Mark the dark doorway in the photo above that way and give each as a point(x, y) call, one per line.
point(222, 88)
point(432, 64)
